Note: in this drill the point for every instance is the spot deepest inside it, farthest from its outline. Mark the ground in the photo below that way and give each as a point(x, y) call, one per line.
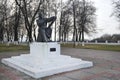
point(106, 66)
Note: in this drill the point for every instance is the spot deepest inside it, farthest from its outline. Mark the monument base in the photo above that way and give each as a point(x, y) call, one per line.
point(47, 63)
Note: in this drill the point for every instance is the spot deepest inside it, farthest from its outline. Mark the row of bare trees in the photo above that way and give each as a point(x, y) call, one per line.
point(77, 17)
point(74, 18)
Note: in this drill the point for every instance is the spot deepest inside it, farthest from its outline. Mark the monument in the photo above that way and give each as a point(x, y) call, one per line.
point(44, 32)
point(45, 58)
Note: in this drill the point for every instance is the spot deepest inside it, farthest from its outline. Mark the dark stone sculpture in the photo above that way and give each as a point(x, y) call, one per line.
point(44, 32)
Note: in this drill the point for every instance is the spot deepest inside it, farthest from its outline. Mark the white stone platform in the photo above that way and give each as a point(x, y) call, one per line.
point(45, 60)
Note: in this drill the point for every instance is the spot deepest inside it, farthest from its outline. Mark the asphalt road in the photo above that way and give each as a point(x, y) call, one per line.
point(106, 66)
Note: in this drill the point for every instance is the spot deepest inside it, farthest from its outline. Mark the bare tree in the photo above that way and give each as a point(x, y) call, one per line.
point(65, 24)
point(4, 18)
point(60, 26)
point(25, 7)
point(83, 14)
point(85, 18)
point(116, 11)
point(55, 9)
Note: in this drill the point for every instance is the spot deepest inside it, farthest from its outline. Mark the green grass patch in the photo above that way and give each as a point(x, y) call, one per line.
point(95, 47)
point(12, 48)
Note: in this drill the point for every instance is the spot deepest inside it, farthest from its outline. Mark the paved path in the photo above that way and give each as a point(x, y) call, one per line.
point(106, 66)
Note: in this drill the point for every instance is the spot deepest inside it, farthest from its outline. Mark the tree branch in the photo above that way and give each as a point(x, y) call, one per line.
point(33, 18)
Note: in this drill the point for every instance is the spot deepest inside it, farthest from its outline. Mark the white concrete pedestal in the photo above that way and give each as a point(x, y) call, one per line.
point(45, 60)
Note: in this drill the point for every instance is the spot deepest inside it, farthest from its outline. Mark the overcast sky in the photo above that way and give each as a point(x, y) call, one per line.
point(105, 23)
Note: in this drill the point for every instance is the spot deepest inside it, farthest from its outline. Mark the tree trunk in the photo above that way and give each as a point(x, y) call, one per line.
point(30, 35)
point(17, 20)
point(83, 34)
point(80, 36)
point(74, 18)
point(34, 33)
point(1, 32)
point(76, 35)
point(55, 30)
point(60, 34)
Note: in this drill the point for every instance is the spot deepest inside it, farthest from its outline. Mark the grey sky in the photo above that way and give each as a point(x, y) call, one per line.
point(106, 23)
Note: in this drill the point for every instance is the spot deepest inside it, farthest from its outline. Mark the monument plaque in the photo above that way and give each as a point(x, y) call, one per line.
point(52, 49)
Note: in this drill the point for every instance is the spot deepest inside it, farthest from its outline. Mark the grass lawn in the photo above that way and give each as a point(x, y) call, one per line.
point(11, 48)
point(95, 47)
